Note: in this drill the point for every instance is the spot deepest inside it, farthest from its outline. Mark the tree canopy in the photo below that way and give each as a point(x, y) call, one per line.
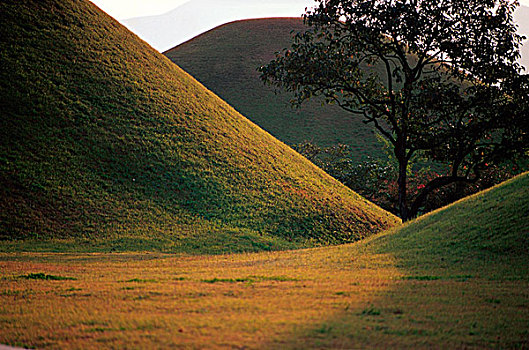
point(437, 77)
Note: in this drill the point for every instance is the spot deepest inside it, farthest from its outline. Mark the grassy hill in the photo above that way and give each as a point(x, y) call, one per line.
point(456, 278)
point(489, 226)
point(225, 60)
point(106, 144)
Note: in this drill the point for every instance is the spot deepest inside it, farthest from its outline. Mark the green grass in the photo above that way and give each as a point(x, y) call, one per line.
point(490, 225)
point(249, 279)
point(226, 59)
point(106, 145)
point(399, 289)
point(43, 276)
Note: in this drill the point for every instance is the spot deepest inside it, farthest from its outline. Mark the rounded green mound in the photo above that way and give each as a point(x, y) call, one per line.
point(107, 142)
point(490, 225)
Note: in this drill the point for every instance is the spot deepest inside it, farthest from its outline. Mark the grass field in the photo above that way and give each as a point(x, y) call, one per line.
point(455, 278)
point(119, 173)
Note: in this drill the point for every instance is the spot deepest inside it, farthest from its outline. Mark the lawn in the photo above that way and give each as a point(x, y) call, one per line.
point(350, 296)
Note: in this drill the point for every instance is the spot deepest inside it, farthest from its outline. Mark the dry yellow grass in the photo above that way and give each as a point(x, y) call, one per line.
point(350, 296)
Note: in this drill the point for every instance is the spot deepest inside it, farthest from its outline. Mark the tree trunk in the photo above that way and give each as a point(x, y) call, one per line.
point(402, 183)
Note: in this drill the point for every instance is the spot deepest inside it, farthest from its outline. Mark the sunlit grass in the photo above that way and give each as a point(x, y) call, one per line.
point(112, 147)
point(330, 297)
point(102, 192)
point(149, 299)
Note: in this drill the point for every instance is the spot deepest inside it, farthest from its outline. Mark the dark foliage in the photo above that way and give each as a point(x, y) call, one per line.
point(375, 178)
point(451, 88)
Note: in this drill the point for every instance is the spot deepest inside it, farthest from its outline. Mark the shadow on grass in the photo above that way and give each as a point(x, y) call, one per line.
point(463, 305)
point(460, 279)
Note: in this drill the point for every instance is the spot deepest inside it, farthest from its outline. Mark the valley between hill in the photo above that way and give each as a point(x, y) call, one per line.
point(225, 60)
point(455, 278)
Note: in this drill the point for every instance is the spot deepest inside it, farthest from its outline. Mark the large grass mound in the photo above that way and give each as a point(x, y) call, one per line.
point(225, 60)
point(107, 143)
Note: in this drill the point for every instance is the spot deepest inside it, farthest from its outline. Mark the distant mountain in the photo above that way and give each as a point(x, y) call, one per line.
point(522, 17)
point(106, 143)
point(197, 16)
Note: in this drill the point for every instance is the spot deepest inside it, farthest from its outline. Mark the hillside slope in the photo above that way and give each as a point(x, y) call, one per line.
point(226, 59)
point(491, 225)
point(103, 139)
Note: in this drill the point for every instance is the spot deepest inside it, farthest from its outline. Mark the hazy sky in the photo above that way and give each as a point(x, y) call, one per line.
point(123, 9)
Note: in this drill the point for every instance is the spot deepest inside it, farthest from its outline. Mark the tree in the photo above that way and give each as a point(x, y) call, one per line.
point(374, 178)
point(432, 76)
